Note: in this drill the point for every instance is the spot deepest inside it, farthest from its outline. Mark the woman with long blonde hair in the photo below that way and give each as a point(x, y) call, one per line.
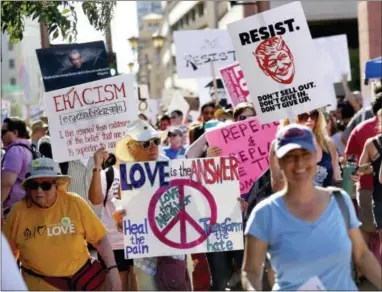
point(327, 158)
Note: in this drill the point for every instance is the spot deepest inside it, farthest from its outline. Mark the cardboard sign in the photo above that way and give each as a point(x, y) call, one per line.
point(234, 83)
point(249, 141)
point(87, 116)
point(276, 51)
point(181, 206)
point(73, 64)
point(196, 49)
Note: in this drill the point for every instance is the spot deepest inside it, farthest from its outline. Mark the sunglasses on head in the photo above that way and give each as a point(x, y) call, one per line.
point(313, 115)
point(147, 144)
point(34, 185)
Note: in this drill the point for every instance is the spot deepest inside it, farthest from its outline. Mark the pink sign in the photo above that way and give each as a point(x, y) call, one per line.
point(236, 86)
point(250, 142)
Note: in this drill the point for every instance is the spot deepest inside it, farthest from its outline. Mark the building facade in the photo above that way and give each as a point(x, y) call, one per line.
point(333, 17)
point(21, 80)
point(146, 7)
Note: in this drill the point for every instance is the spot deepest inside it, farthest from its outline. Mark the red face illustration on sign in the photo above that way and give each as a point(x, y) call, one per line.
point(276, 60)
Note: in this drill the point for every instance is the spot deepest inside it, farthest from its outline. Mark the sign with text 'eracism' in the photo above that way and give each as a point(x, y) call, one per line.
point(249, 141)
point(234, 82)
point(87, 116)
point(181, 207)
point(275, 50)
point(196, 49)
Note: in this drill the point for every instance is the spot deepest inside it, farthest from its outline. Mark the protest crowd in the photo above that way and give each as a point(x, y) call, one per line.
point(301, 194)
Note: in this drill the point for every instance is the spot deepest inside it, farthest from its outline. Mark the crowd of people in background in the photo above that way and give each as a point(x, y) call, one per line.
point(299, 232)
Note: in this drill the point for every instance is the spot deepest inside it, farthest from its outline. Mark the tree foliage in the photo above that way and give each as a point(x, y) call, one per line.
point(59, 16)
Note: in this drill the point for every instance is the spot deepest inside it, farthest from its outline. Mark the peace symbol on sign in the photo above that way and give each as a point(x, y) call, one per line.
point(182, 217)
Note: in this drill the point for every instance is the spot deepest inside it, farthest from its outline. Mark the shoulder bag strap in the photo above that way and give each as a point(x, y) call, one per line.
point(377, 144)
point(343, 207)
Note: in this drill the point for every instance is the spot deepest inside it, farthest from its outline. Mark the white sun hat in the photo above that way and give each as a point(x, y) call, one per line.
point(140, 131)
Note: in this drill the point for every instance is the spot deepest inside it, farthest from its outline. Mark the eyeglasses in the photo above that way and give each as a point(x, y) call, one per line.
point(4, 131)
point(147, 144)
point(173, 134)
point(34, 185)
point(243, 118)
point(313, 115)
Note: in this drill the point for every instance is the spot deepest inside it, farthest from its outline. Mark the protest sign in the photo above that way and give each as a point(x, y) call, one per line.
point(87, 116)
point(206, 91)
point(67, 65)
point(276, 51)
point(196, 49)
point(182, 206)
point(250, 142)
point(234, 83)
point(333, 54)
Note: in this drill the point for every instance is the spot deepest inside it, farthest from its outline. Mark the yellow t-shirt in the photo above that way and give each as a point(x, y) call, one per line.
point(52, 241)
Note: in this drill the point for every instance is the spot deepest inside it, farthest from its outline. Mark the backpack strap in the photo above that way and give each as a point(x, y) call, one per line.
point(109, 181)
point(378, 144)
point(338, 195)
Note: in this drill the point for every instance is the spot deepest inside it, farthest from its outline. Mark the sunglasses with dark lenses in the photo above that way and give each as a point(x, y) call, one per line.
point(172, 134)
point(147, 144)
point(313, 115)
point(34, 185)
point(243, 118)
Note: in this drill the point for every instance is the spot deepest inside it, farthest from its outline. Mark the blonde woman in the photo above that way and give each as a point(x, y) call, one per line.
point(327, 158)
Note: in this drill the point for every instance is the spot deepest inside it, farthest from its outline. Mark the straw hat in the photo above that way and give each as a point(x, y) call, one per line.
point(140, 131)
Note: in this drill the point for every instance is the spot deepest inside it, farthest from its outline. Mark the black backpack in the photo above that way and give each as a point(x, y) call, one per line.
point(260, 190)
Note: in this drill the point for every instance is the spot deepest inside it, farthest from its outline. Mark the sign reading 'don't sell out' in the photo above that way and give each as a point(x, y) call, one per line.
point(278, 58)
point(89, 116)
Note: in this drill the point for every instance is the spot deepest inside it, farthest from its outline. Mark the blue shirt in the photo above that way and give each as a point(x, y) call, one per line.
point(172, 153)
point(300, 250)
point(325, 171)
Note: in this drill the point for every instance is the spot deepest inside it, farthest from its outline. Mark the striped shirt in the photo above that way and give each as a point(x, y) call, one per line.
point(81, 175)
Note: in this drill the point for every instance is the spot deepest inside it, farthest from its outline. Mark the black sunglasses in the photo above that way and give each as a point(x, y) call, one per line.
point(4, 131)
point(243, 118)
point(34, 185)
point(147, 144)
point(313, 115)
point(172, 134)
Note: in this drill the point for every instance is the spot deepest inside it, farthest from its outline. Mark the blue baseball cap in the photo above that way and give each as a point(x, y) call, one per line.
point(292, 137)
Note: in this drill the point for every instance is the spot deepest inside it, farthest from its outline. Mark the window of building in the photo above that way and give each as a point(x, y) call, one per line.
point(186, 19)
point(192, 13)
point(10, 46)
point(11, 63)
point(13, 81)
point(201, 9)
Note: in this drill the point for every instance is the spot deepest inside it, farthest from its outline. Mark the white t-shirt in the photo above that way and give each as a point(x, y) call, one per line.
point(115, 237)
point(339, 144)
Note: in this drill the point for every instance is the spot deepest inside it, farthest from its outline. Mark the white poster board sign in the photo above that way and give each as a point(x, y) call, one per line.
point(196, 49)
point(174, 207)
point(278, 58)
point(333, 54)
point(87, 116)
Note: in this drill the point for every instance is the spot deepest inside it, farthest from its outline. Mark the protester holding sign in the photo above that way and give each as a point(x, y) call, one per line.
point(47, 231)
point(141, 144)
point(327, 158)
point(103, 189)
point(301, 216)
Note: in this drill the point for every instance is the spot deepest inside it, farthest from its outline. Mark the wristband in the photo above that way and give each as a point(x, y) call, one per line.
point(96, 169)
point(112, 267)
